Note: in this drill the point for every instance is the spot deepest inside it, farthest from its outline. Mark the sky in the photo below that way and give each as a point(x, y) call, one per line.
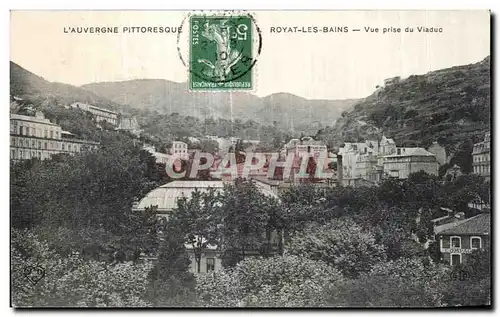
point(319, 65)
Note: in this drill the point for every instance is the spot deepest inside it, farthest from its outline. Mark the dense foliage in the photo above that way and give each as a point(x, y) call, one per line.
point(314, 246)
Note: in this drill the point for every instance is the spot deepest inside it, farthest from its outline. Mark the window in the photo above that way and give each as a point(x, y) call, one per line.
point(456, 242)
point(475, 243)
point(21, 154)
point(69, 147)
point(33, 143)
point(456, 258)
point(45, 145)
point(39, 144)
point(39, 155)
point(63, 146)
point(210, 264)
point(12, 154)
point(51, 134)
point(45, 133)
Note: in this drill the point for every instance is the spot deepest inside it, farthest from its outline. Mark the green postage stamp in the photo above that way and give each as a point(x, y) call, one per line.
point(221, 52)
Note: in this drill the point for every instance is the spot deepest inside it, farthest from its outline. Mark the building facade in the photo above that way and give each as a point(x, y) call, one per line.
point(306, 146)
point(372, 161)
point(409, 160)
point(100, 114)
point(481, 157)
point(458, 240)
point(179, 149)
point(37, 137)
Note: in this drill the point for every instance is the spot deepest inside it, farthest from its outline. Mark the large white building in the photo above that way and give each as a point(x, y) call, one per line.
point(37, 137)
point(306, 146)
point(100, 114)
point(372, 160)
point(410, 160)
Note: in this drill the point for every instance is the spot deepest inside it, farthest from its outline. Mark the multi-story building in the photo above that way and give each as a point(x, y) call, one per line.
point(179, 149)
point(306, 146)
point(481, 157)
point(366, 167)
point(37, 137)
point(100, 114)
point(372, 160)
point(409, 160)
point(360, 159)
point(457, 240)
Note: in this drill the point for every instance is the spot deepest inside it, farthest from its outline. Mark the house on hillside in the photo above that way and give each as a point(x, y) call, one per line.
point(458, 239)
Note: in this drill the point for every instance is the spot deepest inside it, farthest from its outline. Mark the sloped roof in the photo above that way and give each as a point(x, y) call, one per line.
point(165, 197)
point(413, 151)
point(480, 225)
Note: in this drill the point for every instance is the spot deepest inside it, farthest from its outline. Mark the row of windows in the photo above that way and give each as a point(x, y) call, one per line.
point(180, 145)
point(103, 114)
point(44, 145)
point(481, 169)
point(456, 242)
point(21, 155)
point(31, 131)
point(481, 158)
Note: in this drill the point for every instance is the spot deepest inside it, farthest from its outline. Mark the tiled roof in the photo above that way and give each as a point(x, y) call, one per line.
point(479, 224)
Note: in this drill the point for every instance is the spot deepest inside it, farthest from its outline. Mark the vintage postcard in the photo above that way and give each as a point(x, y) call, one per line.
point(250, 159)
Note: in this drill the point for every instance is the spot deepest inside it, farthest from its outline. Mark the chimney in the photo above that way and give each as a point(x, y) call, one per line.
point(339, 169)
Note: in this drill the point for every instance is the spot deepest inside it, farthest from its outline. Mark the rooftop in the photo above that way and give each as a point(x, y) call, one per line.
point(412, 151)
point(479, 225)
point(165, 197)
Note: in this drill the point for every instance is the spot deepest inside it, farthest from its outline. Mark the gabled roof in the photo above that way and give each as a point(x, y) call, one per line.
point(479, 225)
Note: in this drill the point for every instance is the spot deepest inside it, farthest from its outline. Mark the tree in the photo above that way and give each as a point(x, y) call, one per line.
point(71, 281)
point(400, 283)
point(469, 284)
point(340, 243)
point(197, 219)
point(245, 215)
point(288, 281)
point(171, 282)
point(91, 195)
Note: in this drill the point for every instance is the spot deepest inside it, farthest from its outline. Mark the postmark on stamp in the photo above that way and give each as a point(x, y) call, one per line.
point(221, 52)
